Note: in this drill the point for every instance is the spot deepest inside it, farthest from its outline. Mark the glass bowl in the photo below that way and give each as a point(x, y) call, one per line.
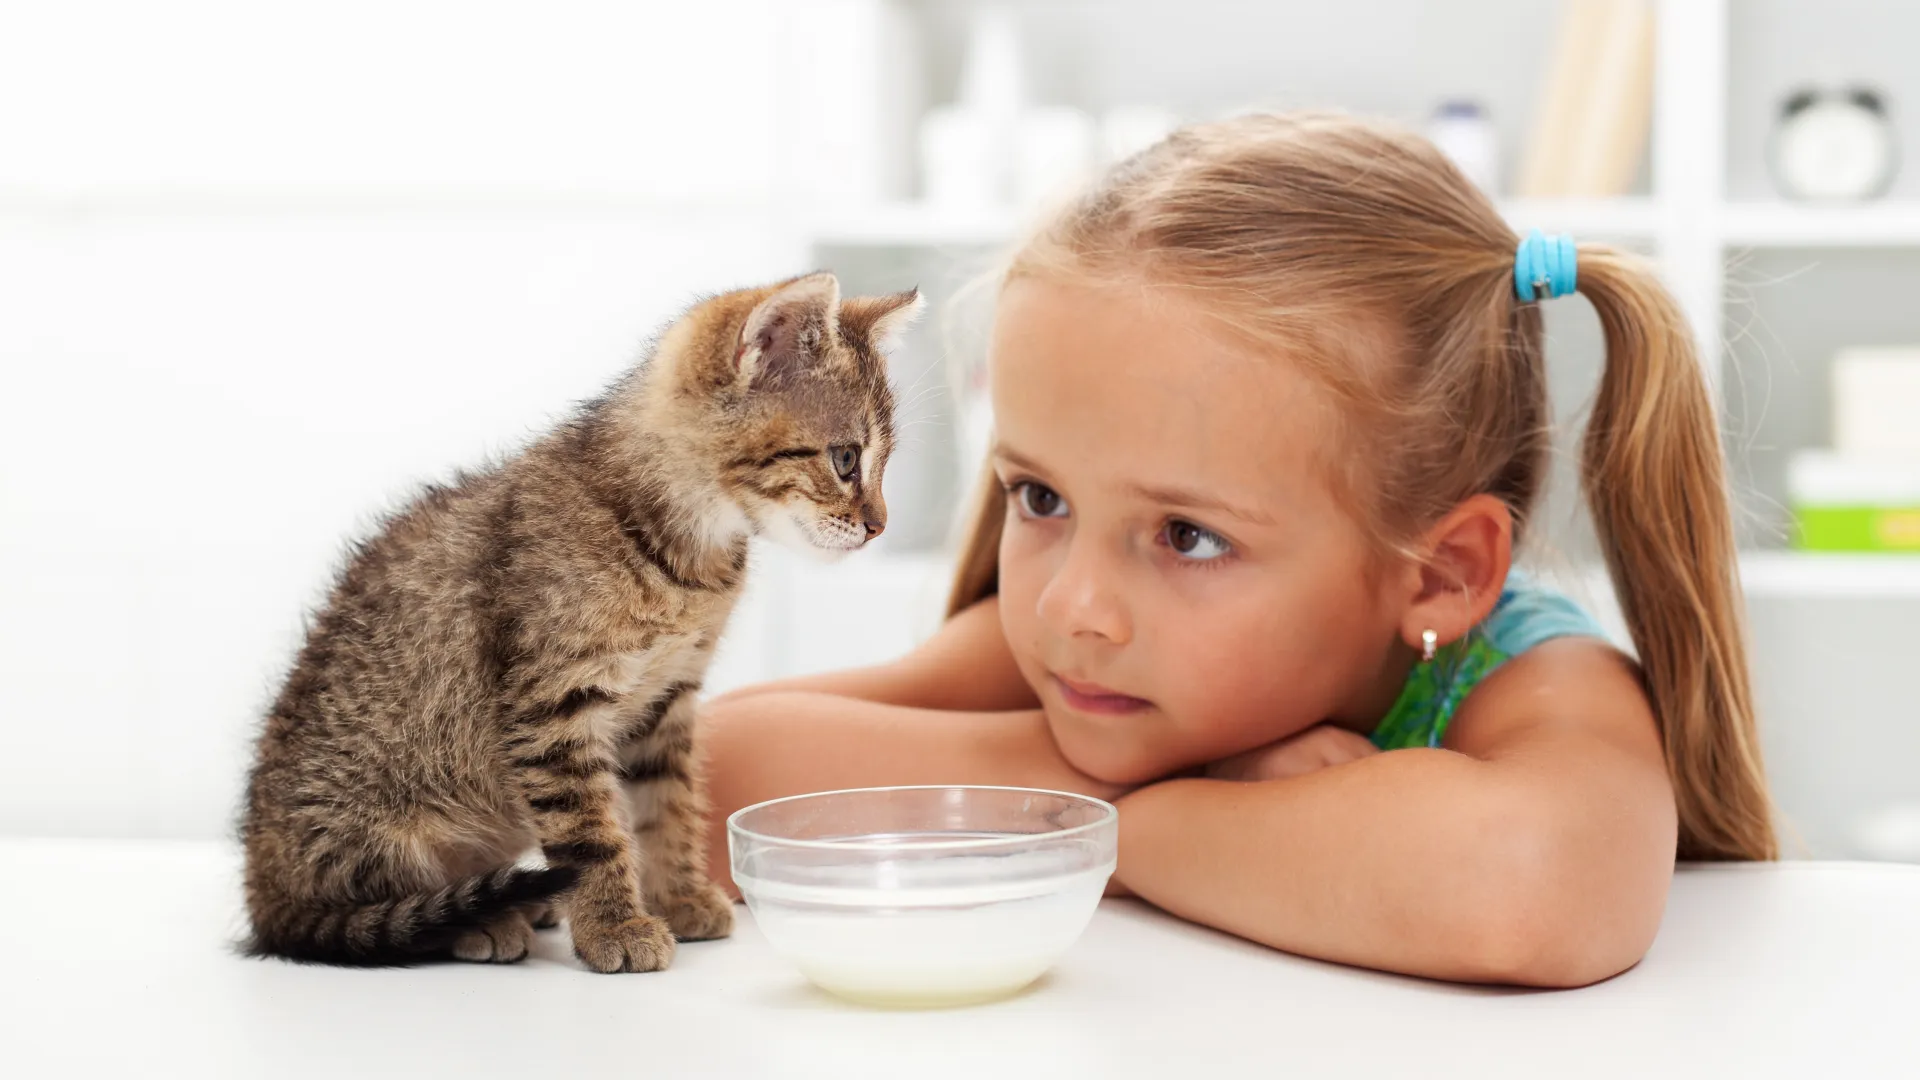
point(924, 896)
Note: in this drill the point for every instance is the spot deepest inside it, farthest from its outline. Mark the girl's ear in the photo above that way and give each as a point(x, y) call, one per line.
point(786, 331)
point(1467, 556)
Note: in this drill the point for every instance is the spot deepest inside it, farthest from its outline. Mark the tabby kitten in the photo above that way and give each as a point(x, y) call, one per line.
point(512, 662)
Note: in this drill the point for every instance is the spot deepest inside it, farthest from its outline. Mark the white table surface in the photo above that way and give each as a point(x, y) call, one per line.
point(117, 962)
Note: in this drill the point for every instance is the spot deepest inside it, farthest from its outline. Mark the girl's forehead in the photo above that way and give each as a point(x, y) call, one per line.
point(1128, 383)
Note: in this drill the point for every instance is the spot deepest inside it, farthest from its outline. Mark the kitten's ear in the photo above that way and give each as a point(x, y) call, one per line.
point(883, 319)
point(785, 332)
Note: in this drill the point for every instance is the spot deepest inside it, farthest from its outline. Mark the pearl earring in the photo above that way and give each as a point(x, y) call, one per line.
point(1429, 641)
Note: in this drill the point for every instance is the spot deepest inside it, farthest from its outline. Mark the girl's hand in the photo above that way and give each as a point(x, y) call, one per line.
point(1308, 751)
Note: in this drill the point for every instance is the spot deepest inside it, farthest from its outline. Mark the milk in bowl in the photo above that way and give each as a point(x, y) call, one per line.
point(927, 895)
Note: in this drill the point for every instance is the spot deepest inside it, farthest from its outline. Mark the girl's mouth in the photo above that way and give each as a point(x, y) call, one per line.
point(1093, 698)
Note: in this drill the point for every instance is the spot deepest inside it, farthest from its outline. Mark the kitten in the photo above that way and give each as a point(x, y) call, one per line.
point(513, 660)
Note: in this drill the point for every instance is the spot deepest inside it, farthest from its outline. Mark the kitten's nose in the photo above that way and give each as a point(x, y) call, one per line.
point(875, 528)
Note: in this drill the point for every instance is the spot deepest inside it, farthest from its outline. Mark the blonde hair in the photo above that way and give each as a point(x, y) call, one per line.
point(1357, 248)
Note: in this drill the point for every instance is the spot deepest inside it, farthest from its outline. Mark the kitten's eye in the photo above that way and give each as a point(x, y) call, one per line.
point(1038, 500)
point(845, 459)
point(1194, 542)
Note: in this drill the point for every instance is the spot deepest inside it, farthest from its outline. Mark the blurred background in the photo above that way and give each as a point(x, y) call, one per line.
point(265, 268)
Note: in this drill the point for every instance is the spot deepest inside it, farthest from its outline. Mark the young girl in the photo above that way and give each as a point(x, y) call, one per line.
point(1271, 416)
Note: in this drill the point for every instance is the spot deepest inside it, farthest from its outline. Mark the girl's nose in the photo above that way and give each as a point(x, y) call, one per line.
point(1083, 597)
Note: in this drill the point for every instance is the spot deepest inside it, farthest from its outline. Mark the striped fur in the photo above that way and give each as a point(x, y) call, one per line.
point(512, 663)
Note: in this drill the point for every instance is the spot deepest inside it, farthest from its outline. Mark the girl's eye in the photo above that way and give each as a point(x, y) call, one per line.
point(1038, 500)
point(1194, 542)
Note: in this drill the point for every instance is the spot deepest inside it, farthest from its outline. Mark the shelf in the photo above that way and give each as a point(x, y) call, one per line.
point(1795, 225)
point(1626, 218)
point(1821, 575)
point(923, 225)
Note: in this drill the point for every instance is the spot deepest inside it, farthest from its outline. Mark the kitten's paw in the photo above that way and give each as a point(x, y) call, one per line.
point(505, 941)
point(701, 915)
point(642, 943)
point(545, 917)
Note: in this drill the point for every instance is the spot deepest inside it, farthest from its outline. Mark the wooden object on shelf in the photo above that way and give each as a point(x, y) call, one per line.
point(1591, 129)
point(1543, 170)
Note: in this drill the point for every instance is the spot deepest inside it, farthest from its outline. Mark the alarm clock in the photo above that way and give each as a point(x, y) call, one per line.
point(1833, 145)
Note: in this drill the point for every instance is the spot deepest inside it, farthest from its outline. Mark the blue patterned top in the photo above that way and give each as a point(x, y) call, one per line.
point(1526, 615)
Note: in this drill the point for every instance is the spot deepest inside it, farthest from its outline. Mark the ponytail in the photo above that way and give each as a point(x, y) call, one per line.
point(1654, 476)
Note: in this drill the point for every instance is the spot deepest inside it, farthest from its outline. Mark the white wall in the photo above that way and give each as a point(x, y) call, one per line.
point(259, 274)
point(264, 267)
point(435, 99)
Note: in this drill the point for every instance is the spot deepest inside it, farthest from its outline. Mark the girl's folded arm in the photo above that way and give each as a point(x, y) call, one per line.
point(965, 666)
point(1537, 850)
point(770, 745)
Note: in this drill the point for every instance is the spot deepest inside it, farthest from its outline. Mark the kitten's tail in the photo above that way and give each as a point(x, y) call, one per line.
point(404, 929)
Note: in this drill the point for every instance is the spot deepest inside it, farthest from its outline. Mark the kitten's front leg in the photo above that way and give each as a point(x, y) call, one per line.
point(572, 790)
point(669, 811)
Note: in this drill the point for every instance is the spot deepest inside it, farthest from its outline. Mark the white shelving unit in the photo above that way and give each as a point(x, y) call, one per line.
point(1768, 224)
point(1770, 287)
point(1687, 222)
point(1817, 575)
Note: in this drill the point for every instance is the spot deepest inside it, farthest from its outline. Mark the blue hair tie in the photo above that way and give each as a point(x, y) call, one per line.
point(1543, 266)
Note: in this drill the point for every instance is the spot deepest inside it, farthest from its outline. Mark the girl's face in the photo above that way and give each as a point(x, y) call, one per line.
point(1177, 580)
